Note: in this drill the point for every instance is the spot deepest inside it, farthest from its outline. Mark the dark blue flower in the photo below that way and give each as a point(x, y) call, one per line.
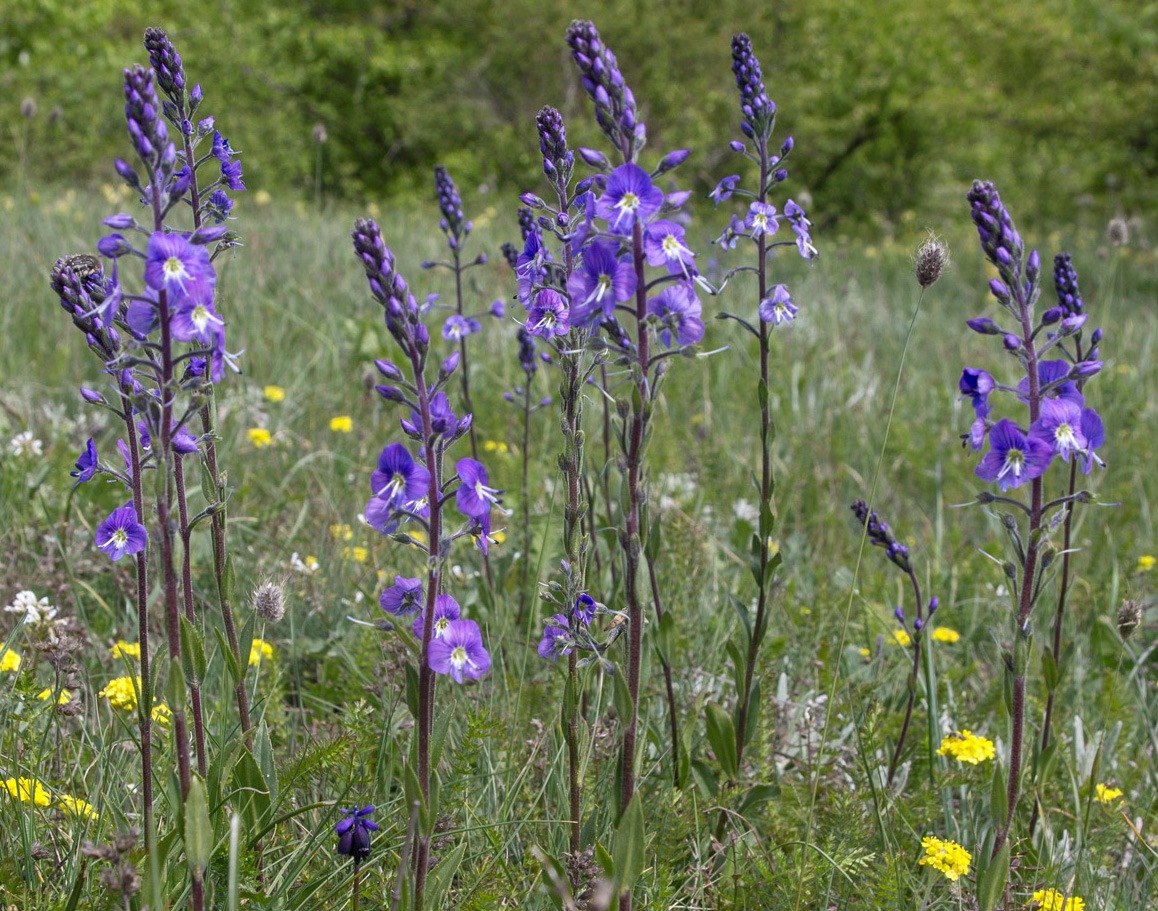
point(601, 281)
point(403, 597)
point(86, 465)
point(1013, 457)
point(354, 833)
point(121, 533)
point(679, 312)
point(630, 197)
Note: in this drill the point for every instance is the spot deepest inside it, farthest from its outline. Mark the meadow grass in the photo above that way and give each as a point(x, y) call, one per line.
point(332, 696)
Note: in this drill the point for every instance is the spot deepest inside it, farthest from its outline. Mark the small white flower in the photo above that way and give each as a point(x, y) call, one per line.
point(25, 444)
point(746, 511)
point(35, 610)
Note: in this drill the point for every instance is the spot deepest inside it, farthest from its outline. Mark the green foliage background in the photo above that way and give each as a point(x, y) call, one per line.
point(895, 106)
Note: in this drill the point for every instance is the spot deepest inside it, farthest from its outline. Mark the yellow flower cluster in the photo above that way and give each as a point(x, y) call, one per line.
point(1102, 794)
point(65, 695)
point(9, 660)
point(944, 634)
point(947, 856)
point(121, 692)
point(123, 649)
point(273, 394)
point(258, 650)
point(357, 554)
point(1052, 900)
point(339, 531)
point(965, 746)
point(29, 790)
point(77, 807)
point(342, 424)
point(499, 447)
point(259, 437)
point(1146, 562)
point(902, 638)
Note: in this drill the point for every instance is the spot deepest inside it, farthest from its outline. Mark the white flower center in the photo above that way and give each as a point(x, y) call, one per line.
point(175, 271)
point(119, 538)
point(440, 627)
point(1066, 439)
point(458, 658)
point(1014, 462)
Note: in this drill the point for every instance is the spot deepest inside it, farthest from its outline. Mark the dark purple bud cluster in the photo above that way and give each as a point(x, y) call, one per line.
point(510, 254)
point(759, 111)
point(1065, 277)
point(527, 358)
point(614, 101)
point(881, 535)
point(999, 238)
point(79, 282)
point(389, 288)
point(146, 129)
point(166, 62)
point(527, 221)
point(558, 160)
point(454, 224)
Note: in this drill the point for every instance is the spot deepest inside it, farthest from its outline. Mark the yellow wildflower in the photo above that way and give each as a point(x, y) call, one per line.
point(944, 634)
point(123, 649)
point(9, 660)
point(259, 437)
point(27, 789)
point(499, 447)
point(342, 424)
point(773, 547)
point(1146, 562)
point(947, 856)
point(357, 554)
point(1102, 794)
point(341, 532)
point(1052, 900)
point(121, 692)
point(865, 653)
point(258, 650)
point(162, 714)
point(902, 638)
point(965, 746)
point(273, 394)
point(77, 807)
point(65, 695)
point(805, 611)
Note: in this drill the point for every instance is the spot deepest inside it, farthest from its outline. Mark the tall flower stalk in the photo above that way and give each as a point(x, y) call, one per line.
point(774, 308)
point(1059, 425)
point(405, 491)
point(163, 345)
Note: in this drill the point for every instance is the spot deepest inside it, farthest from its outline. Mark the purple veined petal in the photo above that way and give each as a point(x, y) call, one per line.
point(473, 496)
point(446, 610)
point(459, 652)
point(630, 197)
point(399, 479)
point(778, 309)
point(1059, 424)
point(664, 246)
point(549, 315)
point(680, 313)
point(182, 269)
point(86, 464)
point(404, 597)
point(1014, 457)
point(121, 533)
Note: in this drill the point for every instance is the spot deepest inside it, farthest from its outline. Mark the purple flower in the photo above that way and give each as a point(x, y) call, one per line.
point(549, 315)
point(1053, 382)
point(758, 110)
point(584, 609)
point(1065, 277)
point(399, 482)
point(999, 238)
point(452, 223)
point(474, 497)
point(446, 610)
point(600, 282)
point(976, 384)
point(630, 197)
point(459, 652)
point(725, 188)
point(183, 269)
point(231, 174)
point(1060, 425)
point(195, 321)
point(663, 242)
point(800, 224)
point(778, 309)
point(761, 220)
point(529, 265)
point(679, 311)
point(403, 597)
point(557, 639)
point(86, 465)
point(1095, 434)
point(121, 533)
point(1013, 457)
point(353, 833)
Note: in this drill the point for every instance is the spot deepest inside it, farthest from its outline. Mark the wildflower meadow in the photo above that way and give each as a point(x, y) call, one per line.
point(634, 540)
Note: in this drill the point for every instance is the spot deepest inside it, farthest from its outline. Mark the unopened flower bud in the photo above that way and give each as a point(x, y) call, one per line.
point(1011, 342)
point(983, 326)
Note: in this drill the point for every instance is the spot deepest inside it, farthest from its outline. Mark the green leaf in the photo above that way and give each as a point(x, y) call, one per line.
point(605, 860)
point(706, 779)
point(236, 671)
point(664, 636)
point(745, 620)
point(1049, 669)
point(629, 841)
point(757, 795)
point(722, 737)
point(558, 886)
point(992, 882)
point(440, 878)
point(739, 666)
point(254, 792)
point(263, 753)
point(198, 828)
point(192, 653)
point(998, 796)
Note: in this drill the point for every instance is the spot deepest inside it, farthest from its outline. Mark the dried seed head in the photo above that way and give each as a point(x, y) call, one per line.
point(1129, 618)
point(269, 601)
point(28, 108)
point(931, 261)
point(1118, 232)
